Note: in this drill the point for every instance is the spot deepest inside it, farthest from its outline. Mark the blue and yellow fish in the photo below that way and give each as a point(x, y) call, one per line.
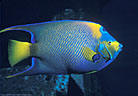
point(63, 47)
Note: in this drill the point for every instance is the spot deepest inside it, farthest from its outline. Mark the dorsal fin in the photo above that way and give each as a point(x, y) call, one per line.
point(30, 28)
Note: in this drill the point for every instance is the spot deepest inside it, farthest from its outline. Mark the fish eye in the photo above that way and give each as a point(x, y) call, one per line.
point(109, 42)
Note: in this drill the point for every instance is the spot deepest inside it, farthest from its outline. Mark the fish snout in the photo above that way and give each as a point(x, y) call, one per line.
point(120, 46)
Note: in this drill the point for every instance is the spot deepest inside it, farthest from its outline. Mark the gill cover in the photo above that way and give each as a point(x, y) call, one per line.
point(108, 48)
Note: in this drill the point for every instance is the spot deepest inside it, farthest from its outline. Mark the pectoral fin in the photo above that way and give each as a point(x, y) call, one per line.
point(88, 53)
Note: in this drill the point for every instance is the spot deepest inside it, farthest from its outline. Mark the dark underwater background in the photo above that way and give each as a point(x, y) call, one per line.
point(119, 17)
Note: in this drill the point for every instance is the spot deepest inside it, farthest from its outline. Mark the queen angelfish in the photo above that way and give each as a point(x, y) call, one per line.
point(64, 47)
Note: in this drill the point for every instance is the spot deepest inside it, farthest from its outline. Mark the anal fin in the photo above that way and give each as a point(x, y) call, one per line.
point(30, 71)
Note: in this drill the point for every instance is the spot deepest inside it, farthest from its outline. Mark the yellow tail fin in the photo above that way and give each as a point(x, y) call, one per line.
point(17, 51)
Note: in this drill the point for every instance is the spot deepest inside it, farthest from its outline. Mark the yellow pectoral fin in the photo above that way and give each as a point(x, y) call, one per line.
point(88, 53)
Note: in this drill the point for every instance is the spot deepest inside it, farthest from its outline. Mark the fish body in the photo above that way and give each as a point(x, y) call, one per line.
point(67, 46)
point(61, 44)
point(64, 48)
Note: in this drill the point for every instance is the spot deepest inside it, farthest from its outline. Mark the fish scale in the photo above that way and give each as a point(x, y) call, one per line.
point(71, 43)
